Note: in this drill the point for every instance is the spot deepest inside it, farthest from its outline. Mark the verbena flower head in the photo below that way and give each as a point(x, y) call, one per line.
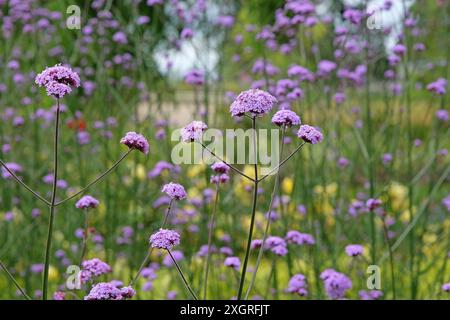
point(442, 115)
point(174, 190)
point(354, 250)
point(195, 77)
point(87, 202)
point(439, 86)
point(193, 131)
point(164, 239)
point(287, 118)
point(109, 291)
point(232, 262)
point(93, 268)
point(220, 167)
point(336, 283)
point(309, 134)
point(58, 80)
point(297, 284)
point(136, 141)
point(446, 287)
point(253, 101)
point(296, 237)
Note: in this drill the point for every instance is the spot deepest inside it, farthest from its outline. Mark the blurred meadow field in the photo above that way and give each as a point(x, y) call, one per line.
point(95, 206)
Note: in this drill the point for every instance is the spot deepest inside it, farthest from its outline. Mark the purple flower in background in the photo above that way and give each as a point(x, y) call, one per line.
point(309, 134)
point(285, 117)
point(136, 141)
point(225, 21)
point(174, 191)
point(220, 167)
point(354, 250)
point(353, 16)
point(253, 101)
point(299, 238)
point(83, 137)
point(186, 33)
point(302, 73)
point(325, 67)
point(373, 204)
point(370, 294)
point(37, 268)
point(177, 255)
point(439, 86)
point(195, 77)
point(297, 284)
point(120, 37)
point(387, 158)
point(193, 131)
point(442, 115)
point(446, 287)
point(93, 268)
point(59, 296)
point(446, 202)
point(232, 262)
point(142, 20)
point(336, 283)
point(164, 239)
point(87, 202)
point(13, 167)
point(399, 49)
point(58, 80)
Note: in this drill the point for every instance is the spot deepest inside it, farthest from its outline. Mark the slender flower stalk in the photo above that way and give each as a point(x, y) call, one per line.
point(23, 184)
point(85, 234)
point(52, 206)
point(252, 222)
point(210, 235)
point(182, 275)
point(391, 256)
point(149, 253)
point(11, 277)
point(266, 229)
point(226, 163)
point(104, 174)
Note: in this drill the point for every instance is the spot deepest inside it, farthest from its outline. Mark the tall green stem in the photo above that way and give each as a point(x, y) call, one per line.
point(269, 212)
point(52, 207)
point(182, 275)
point(252, 222)
point(210, 235)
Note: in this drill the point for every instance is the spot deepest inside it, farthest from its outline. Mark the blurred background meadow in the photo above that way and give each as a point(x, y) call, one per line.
point(371, 75)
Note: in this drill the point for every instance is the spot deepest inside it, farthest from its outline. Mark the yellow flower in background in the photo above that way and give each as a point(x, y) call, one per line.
point(328, 190)
point(53, 273)
point(405, 216)
point(398, 194)
point(140, 172)
point(429, 238)
point(287, 185)
point(195, 170)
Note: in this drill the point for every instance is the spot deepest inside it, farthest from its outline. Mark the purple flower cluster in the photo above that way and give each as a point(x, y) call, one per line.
point(277, 245)
point(297, 284)
point(174, 191)
point(87, 202)
point(296, 237)
point(136, 141)
point(109, 291)
point(354, 250)
point(193, 131)
point(58, 80)
point(195, 77)
point(164, 239)
point(93, 268)
point(220, 167)
point(232, 262)
point(439, 86)
point(309, 134)
point(13, 167)
point(286, 118)
point(336, 284)
point(253, 101)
